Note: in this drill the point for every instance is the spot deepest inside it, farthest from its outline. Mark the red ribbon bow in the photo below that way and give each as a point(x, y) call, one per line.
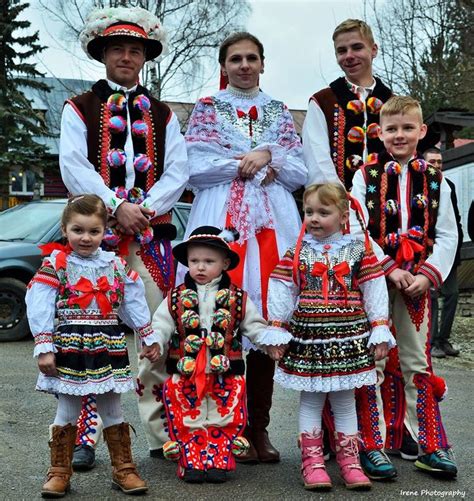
point(252, 113)
point(64, 250)
point(340, 270)
point(198, 377)
point(91, 292)
point(406, 250)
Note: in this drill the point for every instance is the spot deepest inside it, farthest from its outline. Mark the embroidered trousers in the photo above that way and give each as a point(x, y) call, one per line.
point(151, 376)
point(205, 428)
point(411, 321)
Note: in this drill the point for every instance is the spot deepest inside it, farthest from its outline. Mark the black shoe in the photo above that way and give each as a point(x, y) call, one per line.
point(83, 458)
point(157, 453)
point(448, 348)
point(192, 476)
point(438, 352)
point(216, 476)
point(409, 448)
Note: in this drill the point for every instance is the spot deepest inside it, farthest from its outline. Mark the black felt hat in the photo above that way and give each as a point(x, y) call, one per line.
point(213, 237)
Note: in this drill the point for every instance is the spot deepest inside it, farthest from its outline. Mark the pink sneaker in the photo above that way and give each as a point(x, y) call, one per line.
point(313, 469)
point(347, 457)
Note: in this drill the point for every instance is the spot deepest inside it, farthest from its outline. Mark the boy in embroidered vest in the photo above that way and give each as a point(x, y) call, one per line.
point(125, 146)
point(341, 127)
point(411, 220)
point(203, 321)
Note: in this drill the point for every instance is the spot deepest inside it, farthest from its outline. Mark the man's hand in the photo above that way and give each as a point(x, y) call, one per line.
point(151, 352)
point(380, 351)
point(401, 278)
point(419, 286)
point(276, 352)
point(252, 162)
point(132, 218)
point(47, 364)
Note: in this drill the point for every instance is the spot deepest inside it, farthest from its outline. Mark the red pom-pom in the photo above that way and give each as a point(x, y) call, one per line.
point(440, 389)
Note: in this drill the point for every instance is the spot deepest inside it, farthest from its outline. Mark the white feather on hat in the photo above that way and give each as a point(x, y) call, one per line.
point(100, 19)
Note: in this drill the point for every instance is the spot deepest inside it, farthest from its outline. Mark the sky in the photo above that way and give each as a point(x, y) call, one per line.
point(296, 34)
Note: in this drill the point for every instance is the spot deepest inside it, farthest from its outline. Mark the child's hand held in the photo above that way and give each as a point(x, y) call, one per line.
point(47, 364)
point(151, 352)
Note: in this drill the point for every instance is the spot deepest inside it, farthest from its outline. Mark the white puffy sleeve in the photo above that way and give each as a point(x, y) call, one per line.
point(163, 325)
point(134, 310)
point(40, 302)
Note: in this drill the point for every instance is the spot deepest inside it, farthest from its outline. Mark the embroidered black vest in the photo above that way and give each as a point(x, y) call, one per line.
point(102, 138)
point(232, 347)
point(383, 204)
point(344, 115)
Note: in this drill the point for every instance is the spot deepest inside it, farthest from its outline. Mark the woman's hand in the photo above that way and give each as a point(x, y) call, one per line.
point(47, 364)
point(252, 162)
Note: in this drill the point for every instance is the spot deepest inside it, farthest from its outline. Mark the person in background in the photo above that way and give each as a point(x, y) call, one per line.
point(440, 333)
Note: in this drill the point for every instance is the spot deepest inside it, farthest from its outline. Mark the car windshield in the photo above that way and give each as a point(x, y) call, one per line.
point(29, 222)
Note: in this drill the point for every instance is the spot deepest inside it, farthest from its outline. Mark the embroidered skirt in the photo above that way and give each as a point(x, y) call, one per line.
point(329, 347)
point(92, 358)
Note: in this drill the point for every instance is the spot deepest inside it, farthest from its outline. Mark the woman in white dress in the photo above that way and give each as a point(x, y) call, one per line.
point(245, 161)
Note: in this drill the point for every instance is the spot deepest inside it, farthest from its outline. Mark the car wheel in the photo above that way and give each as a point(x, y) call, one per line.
point(13, 320)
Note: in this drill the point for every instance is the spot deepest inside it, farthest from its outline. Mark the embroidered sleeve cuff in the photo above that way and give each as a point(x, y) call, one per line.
point(147, 335)
point(388, 265)
point(381, 334)
point(273, 336)
point(114, 204)
point(44, 344)
point(432, 274)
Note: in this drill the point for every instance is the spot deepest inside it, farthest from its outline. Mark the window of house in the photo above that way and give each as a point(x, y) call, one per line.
point(22, 182)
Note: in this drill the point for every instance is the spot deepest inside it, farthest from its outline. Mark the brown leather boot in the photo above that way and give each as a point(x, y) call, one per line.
point(62, 447)
point(260, 370)
point(124, 472)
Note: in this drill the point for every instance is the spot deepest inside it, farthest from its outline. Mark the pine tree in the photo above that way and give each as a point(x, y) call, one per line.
point(20, 124)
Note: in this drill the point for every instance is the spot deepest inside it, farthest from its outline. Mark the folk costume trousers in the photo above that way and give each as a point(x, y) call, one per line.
point(205, 427)
point(151, 376)
point(422, 390)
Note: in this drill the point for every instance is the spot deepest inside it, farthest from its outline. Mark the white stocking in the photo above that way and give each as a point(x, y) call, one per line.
point(311, 410)
point(109, 408)
point(344, 409)
point(69, 408)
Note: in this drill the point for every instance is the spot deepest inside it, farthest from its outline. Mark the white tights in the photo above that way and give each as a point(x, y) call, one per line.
point(342, 405)
point(108, 408)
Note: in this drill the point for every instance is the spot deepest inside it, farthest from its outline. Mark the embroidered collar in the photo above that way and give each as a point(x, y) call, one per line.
point(335, 237)
point(243, 93)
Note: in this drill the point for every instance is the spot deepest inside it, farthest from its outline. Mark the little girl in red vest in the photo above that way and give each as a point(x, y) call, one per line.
point(201, 324)
point(86, 289)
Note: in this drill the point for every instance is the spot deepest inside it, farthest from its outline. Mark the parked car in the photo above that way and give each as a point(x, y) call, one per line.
point(22, 229)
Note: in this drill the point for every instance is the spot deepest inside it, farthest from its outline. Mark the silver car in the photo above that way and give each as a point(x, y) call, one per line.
point(22, 229)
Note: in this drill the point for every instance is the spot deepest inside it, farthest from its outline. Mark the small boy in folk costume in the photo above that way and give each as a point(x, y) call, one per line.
point(411, 220)
point(203, 321)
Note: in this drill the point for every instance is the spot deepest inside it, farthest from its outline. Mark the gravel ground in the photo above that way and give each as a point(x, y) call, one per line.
point(25, 415)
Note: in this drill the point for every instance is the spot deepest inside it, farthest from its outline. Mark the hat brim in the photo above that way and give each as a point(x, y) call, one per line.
point(95, 48)
point(180, 252)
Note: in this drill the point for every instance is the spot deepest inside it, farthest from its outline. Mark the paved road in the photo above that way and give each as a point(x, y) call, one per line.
point(26, 414)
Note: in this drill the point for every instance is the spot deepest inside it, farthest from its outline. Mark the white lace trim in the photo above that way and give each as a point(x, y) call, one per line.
point(327, 384)
point(382, 334)
point(44, 348)
point(243, 93)
point(56, 385)
point(273, 336)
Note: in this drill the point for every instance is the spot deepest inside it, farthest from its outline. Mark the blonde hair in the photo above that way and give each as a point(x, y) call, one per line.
point(329, 194)
point(354, 25)
point(401, 105)
point(86, 205)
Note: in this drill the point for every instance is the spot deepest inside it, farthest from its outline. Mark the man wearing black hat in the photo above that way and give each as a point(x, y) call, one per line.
point(120, 143)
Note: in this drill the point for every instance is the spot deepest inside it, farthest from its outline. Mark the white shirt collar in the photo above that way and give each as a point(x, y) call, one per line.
point(115, 86)
point(359, 89)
